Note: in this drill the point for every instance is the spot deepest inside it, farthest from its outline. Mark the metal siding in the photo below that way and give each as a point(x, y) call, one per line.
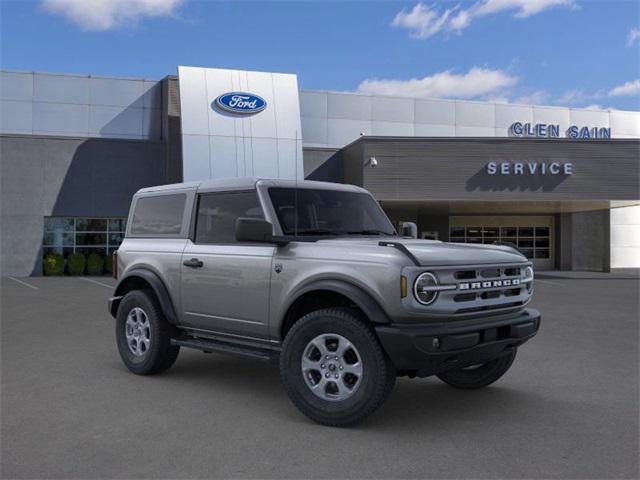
point(455, 169)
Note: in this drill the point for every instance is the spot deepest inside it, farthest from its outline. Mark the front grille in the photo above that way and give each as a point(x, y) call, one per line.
point(482, 288)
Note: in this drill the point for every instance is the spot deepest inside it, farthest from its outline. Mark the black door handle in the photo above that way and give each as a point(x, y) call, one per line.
point(193, 263)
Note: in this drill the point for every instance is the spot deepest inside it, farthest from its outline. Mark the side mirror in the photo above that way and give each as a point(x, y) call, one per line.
point(254, 230)
point(409, 229)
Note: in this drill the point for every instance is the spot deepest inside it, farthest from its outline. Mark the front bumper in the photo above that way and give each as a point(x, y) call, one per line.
point(428, 349)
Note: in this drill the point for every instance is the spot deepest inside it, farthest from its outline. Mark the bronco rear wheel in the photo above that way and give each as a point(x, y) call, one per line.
point(143, 335)
point(333, 367)
point(479, 376)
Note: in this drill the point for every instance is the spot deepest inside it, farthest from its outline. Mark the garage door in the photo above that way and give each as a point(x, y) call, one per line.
point(533, 235)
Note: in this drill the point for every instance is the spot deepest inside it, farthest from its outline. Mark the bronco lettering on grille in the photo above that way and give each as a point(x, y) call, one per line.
point(488, 284)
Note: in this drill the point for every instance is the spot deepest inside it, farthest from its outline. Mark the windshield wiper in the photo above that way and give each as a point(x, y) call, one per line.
point(318, 231)
point(368, 232)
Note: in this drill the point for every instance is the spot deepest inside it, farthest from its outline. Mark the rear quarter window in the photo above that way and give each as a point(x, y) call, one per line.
point(159, 215)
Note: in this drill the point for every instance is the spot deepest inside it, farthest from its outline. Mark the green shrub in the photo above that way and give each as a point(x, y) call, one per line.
point(76, 263)
point(95, 263)
point(53, 264)
point(108, 264)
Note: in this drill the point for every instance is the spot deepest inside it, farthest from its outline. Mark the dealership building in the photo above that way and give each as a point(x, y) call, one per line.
point(561, 183)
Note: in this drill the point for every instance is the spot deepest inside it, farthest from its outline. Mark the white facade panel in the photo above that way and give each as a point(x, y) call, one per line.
point(554, 116)
point(152, 94)
point(349, 106)
point(425, 130)
point(285, 91)
point(224, 157)
point(60, 89)
point(624, 123)
point(625, 257)
point(507, 115)
point(625, 237)
point(109, 121)
point(462, 131)
point(16, 86)
point(342, 132)
point(389, 109)
point(16, 117)
point(196, 147)
point(313, 104)
point(597, 118)
point(194, 114)
point(241, 142)
point(470, 114)
point(435, 112)
point(116, 92)
point(287, 161)
point(314, 130)
point(265, 149)
point(61, 118)
point(392, 129)
point(263, 124)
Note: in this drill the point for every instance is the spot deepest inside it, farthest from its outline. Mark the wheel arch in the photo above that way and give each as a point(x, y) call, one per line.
point(143, 279)
point(330, 293)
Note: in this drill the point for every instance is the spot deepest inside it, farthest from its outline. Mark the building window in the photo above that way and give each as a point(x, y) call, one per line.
point(65, 235)
point(533, 242)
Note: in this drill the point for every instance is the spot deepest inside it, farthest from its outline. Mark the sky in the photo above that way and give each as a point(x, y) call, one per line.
point(548, 52)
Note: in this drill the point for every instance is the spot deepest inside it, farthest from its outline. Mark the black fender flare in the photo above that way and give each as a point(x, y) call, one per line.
point(158, 287)
point(365, 302)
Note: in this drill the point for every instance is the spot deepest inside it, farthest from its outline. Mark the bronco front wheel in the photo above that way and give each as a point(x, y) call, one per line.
point(334, 368)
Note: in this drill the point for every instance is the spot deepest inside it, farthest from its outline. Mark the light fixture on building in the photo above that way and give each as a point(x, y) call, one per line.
point(372, 162)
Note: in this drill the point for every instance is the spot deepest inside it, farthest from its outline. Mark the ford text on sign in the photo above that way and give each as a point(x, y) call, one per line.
point(240, 103)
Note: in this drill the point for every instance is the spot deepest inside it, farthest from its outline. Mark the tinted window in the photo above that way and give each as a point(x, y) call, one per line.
point(161, 215)
point(218, 212)
point(328, 212)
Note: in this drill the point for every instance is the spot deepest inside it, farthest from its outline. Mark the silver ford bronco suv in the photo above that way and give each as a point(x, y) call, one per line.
point(314, 276)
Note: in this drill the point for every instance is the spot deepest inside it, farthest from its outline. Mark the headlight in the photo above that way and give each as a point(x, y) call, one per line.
point(425, 288)
point(528, 278)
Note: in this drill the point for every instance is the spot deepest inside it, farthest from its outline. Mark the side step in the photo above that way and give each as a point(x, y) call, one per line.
point(208, 346)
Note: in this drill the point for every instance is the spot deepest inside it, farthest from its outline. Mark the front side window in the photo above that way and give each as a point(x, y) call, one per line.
point(218, 212)
point(159, 215)
point(328, 212)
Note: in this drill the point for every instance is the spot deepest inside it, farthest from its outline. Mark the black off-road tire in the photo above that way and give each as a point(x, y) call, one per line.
point(161, 354)
point(378, 376)
point(481, 376)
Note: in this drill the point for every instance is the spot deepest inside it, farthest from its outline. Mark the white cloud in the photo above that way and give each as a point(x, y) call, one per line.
point(538, 97)
point(571, 97)
point(595, 106)
point(629, 88)
point(475, 83)
point(100, 15)
point(524, 8)
point(423, 21)
point(633, 36)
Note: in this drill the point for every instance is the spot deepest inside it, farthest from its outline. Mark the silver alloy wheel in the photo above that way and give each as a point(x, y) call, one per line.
point(138, 331)
point(332, 367)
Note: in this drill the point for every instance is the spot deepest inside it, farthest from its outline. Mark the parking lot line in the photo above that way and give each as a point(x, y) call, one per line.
point(97, 282)
point(23, 283)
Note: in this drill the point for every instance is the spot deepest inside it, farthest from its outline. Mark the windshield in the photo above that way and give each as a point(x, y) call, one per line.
point(328, 212)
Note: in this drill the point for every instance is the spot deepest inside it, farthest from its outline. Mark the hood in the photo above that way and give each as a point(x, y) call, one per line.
point(436, 253)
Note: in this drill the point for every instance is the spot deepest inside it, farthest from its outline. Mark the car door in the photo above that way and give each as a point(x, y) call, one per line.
point(225, 284)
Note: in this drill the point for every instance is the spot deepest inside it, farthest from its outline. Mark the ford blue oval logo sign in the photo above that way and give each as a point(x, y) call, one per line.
point(240, 103)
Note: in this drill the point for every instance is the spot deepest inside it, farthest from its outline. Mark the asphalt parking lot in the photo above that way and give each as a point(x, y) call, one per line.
point(567, 409)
